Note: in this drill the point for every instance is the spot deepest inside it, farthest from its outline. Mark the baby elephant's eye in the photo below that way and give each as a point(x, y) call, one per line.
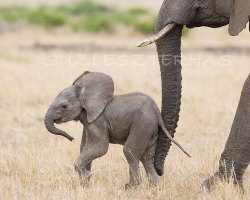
point(65, 106)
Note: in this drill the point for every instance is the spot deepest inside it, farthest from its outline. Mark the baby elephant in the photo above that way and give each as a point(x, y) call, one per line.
point(132, 120)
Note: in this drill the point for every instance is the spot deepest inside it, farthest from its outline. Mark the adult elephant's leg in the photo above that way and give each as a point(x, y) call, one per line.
point(241, 163)
point(236, 155)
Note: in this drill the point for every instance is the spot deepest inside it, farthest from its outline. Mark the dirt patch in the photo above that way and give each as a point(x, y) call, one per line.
point(92, 47)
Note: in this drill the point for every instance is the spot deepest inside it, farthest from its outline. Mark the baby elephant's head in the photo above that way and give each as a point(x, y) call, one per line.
point(90, 92)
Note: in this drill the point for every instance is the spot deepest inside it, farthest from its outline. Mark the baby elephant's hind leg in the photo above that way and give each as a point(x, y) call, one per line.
point(148, 163)
point(135, 147)
point(133, 161)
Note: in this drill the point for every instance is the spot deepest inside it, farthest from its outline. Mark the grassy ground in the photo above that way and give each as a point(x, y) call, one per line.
point(37, 165)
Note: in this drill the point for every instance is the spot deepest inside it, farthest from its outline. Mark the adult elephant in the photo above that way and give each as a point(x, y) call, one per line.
point(173, 15)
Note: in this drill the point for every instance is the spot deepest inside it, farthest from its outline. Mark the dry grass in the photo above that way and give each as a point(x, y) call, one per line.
point(37, 165)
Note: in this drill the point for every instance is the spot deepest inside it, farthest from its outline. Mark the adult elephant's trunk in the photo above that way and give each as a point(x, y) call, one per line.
point(49, 124)
point(169, 53)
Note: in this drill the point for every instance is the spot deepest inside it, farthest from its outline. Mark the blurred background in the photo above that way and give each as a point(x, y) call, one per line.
point(45, 45)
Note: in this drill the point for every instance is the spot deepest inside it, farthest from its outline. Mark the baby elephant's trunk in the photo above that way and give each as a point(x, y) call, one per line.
point(49, 124)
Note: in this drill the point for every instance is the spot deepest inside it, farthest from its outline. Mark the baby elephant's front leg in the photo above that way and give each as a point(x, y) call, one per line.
point(94, 144)
point(83, 162)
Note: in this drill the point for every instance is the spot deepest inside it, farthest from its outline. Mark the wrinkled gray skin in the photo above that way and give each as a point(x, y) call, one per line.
point(196, 13)
point(236, 155)
point(132, 120)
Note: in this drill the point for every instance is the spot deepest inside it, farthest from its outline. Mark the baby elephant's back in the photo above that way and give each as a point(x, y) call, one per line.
point(126, 109)
point(129, 105)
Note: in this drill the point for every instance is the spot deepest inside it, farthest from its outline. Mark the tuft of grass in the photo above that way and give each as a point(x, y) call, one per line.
point(146, 27)
point(125, 19)
point(92, 23)
point(88, 7)
point(131, 16)
point(8, 15)
point(12, 14)
point(137, 11)
point(46, 18)
point(13, 58)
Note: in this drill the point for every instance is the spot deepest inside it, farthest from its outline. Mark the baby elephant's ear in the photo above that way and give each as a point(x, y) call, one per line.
point(96, 91)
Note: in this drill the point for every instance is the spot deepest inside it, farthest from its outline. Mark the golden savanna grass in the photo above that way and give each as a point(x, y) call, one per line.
point(35, 164)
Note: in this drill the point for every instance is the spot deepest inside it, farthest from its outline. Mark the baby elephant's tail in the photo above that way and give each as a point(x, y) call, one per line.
point(161, 123)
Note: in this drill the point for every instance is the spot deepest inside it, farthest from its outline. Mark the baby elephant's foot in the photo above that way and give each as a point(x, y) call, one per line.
point(84, 179)
point(154, 183)
point(208, 184)
point(84, 175)
point(131, 185)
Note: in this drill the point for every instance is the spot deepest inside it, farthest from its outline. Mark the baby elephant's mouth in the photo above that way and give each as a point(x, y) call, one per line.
point(61, 120)
point(58, 121)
